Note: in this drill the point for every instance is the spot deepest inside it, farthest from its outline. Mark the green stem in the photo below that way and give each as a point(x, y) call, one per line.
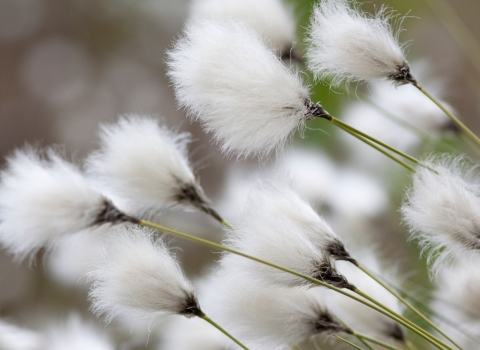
point(371, 144)
point(400, 319)
point(457, 121)
point(375, 341)
point(432, 338)
point(209, 320)
point(355, 334)
point(347, 342)
point(406, 303)
point(420, 133)
point(378, 142)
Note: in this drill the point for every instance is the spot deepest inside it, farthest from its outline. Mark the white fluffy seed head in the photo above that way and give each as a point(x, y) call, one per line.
point(226, 77)
point(441, 210)
point(136, 276)
point(271, 19)
point(269, 317)
point(347, 45)
point(43, 197)
point(360, 317)
point(145, 163)
point(77, 334)
point(277, 225)
point(15, 338)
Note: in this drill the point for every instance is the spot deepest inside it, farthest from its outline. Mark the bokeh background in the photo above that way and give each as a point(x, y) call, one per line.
point(68, 65)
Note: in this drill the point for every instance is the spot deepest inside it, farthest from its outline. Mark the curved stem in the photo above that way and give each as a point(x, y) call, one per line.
point(347, 342)
point(406, 303)
point(400, 319)
point(226, 224)
point(209, 320)
point(457, 121)
point(375, 341)
point(419, 132)
point(418, 328)
point(371, 144)
point(355, 334)
point(338, 122)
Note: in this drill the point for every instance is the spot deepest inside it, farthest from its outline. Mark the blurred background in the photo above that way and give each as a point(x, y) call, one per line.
point(68, 65)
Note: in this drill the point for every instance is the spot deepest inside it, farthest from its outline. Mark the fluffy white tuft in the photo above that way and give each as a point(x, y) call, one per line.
point(76, 334)
point(347, 45)
point(269, 317)
point(15, 338)
point(272, 19)
point(225, 77)
point(145, 163)
point(441, 210)
point(277, 225)
point(136, 276)
point(360, 317)
point(43, 197)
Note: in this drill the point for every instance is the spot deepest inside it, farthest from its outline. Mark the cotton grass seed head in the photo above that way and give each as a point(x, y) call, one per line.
point(147, 164)
point(348, 45)
point(271, 317)
point(136, 276)
point(272, 19)
point(42, 196)
point(441, 209)
point(278, 226)
point(226, 78)
point(276, 204)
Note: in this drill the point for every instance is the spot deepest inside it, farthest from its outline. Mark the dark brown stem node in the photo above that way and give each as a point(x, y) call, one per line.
point(315, 110)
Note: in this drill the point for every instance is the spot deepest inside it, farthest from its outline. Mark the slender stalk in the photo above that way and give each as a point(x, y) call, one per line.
point(457, 121)
point(429, 311)
point(400, 319)
point(413, 325)
point(209, 320)
point(227, 225)
point(375, 341)
point(347, 342)
point(406, 303)
point(412, 127)
point(371, 144)
point(378, 142)
point(357, 336)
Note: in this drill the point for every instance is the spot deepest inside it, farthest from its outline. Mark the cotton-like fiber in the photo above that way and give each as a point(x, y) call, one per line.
point(348, 45)
point(226, 78)
point(42, 196)
point(272, 19)
point(271, 317)
point(441, 209)
point(278, 226)
point(147, 165)
point(136, 276)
